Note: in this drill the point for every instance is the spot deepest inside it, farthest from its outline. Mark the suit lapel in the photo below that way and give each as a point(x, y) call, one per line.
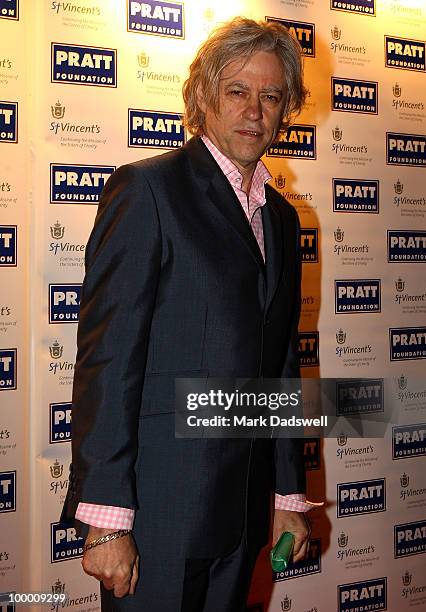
point(273, 237)
point(220, 193)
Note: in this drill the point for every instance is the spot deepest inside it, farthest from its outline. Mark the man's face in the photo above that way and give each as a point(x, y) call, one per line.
point(251, 100)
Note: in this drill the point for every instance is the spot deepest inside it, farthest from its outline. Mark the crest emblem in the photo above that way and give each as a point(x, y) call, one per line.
point(56, 469)
point(286, 604)
point(343, 540)
point(335, 33)
point(143, 59)
point(399, 187)
point(58, 111)
point(337, 133)
point(340, 336)
point(208, 14)
point(404, 480)
point(397, 91)
point(58, 588)
point(56, 350)
point(341, 438)
point(406, 578)
point(399, 285)
point(402, 382)
point(339, 234)
point(57, 231)
point(280, 181)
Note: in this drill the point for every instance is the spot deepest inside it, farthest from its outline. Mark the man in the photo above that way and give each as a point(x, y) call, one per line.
point(192, 270)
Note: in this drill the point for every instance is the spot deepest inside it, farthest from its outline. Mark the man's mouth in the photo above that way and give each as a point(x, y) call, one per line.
point(252, 133)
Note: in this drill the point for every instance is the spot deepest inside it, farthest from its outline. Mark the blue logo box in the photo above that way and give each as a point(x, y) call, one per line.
point(310, 565)
point(357, 296)
point(77, 183)
point(64, 543)
point(309, 348)
point(8, 368)
point(407, 246)
point(405, 149)
point(309, 244)
point(8, 121)
point(361, 497)
point(409, 539)
point(364, 595)
point(9, 9)
point(407, 343)
point(353, 96)
point(155, 129)
point(8, 246)
point(64, 303)
point(359, 396)
point(408, 441)
point(311, 454)
point(60, 422)
point(302, 31)
point(405, 53)
point(298, 141)
point(8, 491)
point(361, 7)
point(156, 17)
point(82, 65)
point(355, 195)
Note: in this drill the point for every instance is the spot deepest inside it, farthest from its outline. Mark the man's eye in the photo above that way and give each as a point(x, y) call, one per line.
point(272, 98)
point(236, 92)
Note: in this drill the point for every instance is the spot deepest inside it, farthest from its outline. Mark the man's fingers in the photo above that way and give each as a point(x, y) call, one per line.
point(135, 576)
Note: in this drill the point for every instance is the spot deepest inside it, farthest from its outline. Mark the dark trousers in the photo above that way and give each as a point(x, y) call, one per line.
point(191, 585)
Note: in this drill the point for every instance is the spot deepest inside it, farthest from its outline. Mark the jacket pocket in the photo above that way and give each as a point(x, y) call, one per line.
point(158, 395)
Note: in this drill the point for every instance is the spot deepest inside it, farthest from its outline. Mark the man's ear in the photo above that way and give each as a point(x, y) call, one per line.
point(201, 100)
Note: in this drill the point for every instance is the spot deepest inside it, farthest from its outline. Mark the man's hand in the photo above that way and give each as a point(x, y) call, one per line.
point(297, 524)
point(115, 563)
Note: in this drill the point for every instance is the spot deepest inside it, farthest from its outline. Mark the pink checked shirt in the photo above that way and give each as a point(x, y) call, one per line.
point(113, 517)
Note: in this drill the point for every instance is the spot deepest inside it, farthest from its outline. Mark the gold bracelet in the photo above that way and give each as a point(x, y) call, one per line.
point(106, 538)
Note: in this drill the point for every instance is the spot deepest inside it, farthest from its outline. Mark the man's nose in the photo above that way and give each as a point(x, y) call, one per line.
point(253, 109)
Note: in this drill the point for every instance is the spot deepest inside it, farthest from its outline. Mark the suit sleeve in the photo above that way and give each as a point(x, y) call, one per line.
point(289, 461)
point(123, 258)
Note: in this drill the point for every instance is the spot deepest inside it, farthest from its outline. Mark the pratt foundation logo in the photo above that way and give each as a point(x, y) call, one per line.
point(339, 234)
point(309, 348)
point(398, 187)
point(8, 246)
point(405, 149)
point(340, 336)
point(60, 422)
point(64, 303)
point(58, 111)
point(396, 90)
point(342, 439)
point(357, 296)
point(156, 17)
point(8, 369)
point(296, 141)
point(310, 565)
point(286, 604)
point(56, 350)
point(365, 595)
point(280, 181)
point(9, 9)
point(77, 183)
point(56, 469)
point(82, 65)
point(355, 195)
point(404, 480)
point(408, 441)
point(361, 7)
point(57, 231)
point(309, 245)
point(399, 285)
point(409, 539)
point(336, 33)
point(363, 396)
point(64, 543)
point(402, 382)
point(407, 343)
point(8, 491)
point(406, 246)
point(342, 540)
point(406, 578)
point(303, 32)
point(143, 59)
point(8, 121)
point(155, 129)
point(405, 53)
point(361, 497)
point(337, 134)
point(354, 96)
point(311, 454)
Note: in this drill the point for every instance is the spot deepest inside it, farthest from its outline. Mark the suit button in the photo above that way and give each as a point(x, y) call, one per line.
point(266, 322)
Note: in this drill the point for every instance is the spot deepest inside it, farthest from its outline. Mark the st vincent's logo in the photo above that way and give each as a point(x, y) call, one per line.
point(56, 469)
point(156, 17)
point(361, 7)
point(301, 31)
point(8, 121)
point(155, 129)
point(336, 33)
point(398, 187)
point(396, 90)
point(58, 111)
point(354, 96)
point(337, 134)
point(364, 595)
point(57, 231)
point(405, 53)
point(342, 540)
point(82, 65)
point(9, 9)
point(56, 350)
point(342, 439)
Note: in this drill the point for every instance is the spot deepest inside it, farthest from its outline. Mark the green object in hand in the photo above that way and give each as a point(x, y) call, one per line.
point(282, 551)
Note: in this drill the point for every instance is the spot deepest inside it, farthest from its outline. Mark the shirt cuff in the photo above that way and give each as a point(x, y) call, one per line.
point(296, 502)
point(111, 517)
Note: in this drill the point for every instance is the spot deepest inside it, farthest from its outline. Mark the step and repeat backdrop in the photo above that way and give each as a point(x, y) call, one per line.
point(88, 85)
